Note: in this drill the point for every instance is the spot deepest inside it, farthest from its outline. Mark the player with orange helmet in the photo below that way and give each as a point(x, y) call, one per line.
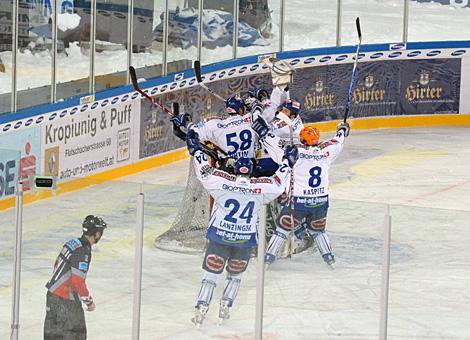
point(309, 135)
point(310, 193)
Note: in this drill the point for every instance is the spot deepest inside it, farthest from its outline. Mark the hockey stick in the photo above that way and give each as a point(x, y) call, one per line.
point(353, 75)
point(208, 151)
point(145, 95)
point(197, 71)
point(288, 121)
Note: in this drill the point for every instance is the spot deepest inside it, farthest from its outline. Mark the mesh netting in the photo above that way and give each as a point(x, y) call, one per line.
point(188, 231)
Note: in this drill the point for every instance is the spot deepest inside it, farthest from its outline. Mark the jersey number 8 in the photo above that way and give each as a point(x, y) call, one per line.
point(315, 177)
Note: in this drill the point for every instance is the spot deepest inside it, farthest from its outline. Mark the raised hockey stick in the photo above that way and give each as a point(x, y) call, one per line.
point(197, 71)
point(145, 95)
point(288, 121)
point(353, 75)
point(208, 151)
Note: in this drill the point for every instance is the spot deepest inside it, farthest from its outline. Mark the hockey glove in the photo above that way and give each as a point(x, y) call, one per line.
point(260, 127)
point(88, 301)
point(192, 141)
point(181, 120)
point(343, 126)
point(291, 153)
point(254, 104)
point(180, 124)
point(281, 71)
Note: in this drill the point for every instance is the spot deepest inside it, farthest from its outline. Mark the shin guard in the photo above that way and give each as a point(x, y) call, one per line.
point(275, 244)
point(232, 285)
point(323, 242)
point(209, 282)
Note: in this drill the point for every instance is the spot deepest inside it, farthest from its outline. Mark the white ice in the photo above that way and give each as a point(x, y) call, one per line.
point(422, 173)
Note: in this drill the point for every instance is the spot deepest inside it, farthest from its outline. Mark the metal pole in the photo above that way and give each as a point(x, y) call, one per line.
point(260, 274)
point(15, 313)
point(165, 40)
point(130, 42)
point(281, 26)
point(200, 28)
point(339, 15)
point(236, 12)
point(406, 13)
point(14, 55)
point(54, 51)
point(91, 85)
point(139, 243)
point(385, 276)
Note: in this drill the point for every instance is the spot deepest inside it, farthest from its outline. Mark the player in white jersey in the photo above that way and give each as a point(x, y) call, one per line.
point(233, 135)
point(310, 192)
point(233, 225)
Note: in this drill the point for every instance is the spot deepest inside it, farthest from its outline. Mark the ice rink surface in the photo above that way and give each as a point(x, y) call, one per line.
point(420, 174)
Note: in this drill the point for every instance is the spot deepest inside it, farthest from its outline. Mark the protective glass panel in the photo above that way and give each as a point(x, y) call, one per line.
point(311, 26)
point(429, 281)
point(381, 21)
point(111, 43)
point(34, 58)
point(439, 20)
point(182, 34)
point(52, 238)
point(343, 301)
point(259, 22)
point(73, 48)
point(9, 161)
point(5, 55)
point(218, 31)
point(147, 37)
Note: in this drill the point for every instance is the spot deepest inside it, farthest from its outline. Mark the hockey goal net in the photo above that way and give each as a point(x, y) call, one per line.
point(188, 230)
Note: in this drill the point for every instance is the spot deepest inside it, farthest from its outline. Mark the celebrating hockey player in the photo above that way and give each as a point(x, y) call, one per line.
point(233, 225)
point(310, 192)
point(233, 135)
point(67, 289)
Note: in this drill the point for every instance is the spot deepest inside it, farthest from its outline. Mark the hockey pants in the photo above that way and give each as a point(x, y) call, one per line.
point(65, 319)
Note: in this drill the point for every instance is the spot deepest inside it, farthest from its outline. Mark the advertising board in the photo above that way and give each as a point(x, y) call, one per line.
point(20, 157)
point(89, 142)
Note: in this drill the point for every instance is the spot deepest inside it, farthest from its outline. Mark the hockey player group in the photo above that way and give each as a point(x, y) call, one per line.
point(267, 156)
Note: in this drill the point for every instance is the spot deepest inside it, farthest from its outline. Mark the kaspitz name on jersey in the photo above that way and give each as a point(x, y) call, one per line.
point(241, 190)
point(316, 191)
point(234, 123)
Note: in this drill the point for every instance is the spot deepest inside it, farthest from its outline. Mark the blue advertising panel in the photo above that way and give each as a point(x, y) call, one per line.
point(429, 86)
point(324, 90)
point(381, 89)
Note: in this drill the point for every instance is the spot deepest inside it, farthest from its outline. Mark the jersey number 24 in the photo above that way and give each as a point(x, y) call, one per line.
point(234, 205)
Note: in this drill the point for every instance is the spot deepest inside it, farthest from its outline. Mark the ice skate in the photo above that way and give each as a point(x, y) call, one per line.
point(269, 260)
point(199, 315)
point(224, 311)
point(329, 260)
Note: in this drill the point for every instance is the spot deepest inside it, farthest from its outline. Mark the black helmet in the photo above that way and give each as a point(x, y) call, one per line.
point(92, 224)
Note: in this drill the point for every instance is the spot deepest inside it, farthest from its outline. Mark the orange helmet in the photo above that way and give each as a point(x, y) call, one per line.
point(309, 135)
